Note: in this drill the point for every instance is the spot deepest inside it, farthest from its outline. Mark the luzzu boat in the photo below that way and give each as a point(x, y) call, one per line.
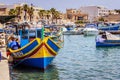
point(34, 51)
point(107, 40)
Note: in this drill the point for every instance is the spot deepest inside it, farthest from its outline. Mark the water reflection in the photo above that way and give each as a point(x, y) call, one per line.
point(103, 52)
point(28, 73)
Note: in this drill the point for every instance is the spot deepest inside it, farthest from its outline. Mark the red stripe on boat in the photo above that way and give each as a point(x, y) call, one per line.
point(34, 52)
point(50, 51)
point(30, 53)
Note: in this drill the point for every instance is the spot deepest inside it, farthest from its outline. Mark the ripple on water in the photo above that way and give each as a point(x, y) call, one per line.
point(79, 59)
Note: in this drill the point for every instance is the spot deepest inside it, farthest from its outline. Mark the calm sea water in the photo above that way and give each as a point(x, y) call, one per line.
point(79, 59)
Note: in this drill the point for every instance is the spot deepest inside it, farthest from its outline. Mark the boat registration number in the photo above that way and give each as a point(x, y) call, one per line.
point(18, 54)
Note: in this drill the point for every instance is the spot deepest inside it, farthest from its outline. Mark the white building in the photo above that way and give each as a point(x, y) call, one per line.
point(94, 11)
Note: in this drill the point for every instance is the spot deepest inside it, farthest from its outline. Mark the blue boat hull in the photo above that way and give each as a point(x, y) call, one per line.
point(109, 28)
point(108, 43)
point(99, 44)
point(41, 63)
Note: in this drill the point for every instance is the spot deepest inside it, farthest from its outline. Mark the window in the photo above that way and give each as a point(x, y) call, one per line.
point(32, 34)
point(25, 34)
point(39, 33)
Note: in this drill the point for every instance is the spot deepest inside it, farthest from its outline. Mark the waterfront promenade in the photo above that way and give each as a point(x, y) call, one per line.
point(4, 68)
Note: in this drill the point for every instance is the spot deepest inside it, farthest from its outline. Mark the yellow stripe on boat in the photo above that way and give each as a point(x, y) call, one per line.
point(55, 43)
point(14, 51)
point(42, 52)
point(49, 46)
point(18, 50)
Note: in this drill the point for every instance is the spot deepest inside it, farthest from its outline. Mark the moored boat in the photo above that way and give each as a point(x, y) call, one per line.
point(35, 50)
point(107, 40)
point(109, 27)
point(90, 30)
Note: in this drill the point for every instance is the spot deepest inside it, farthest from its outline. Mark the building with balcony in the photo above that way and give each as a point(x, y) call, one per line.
point(74, 15)
point(94, 12)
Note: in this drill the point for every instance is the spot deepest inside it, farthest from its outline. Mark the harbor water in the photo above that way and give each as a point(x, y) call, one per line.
point(79, 59)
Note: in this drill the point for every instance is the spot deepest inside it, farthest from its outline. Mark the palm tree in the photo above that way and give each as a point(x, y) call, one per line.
point(42, 13)
point(12, 12)
point(30, 12)
point(101, 19)
point(25, 8)
point(56, 15)
point(48, 15)
point(52, 10)
point(18, 11)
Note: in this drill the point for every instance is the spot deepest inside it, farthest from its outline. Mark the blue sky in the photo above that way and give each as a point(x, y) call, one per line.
point(61, 5)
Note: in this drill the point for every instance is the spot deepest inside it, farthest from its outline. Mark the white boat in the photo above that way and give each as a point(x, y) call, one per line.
point(75, 31)
point(90, 30)
point(107, 40)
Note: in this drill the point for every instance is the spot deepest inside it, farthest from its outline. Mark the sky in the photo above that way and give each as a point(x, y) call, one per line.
point(62, 5)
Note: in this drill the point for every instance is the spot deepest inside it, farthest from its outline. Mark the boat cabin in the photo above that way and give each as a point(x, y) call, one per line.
point(28, 35)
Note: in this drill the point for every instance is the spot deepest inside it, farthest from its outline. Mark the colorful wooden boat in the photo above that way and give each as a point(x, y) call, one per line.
point(108, 41)
point(34, 51)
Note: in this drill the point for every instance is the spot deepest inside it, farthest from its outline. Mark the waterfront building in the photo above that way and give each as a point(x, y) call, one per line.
point(74, 15)
point(94, 12)
point(5, 8)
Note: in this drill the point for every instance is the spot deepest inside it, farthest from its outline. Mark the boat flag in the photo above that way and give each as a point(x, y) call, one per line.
point(42, 33)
